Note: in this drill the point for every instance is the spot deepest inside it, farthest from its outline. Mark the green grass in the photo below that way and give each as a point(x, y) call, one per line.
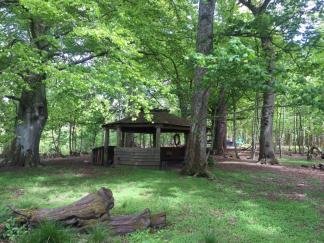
point(49, 232)
point(239, 206)
point(298, 161)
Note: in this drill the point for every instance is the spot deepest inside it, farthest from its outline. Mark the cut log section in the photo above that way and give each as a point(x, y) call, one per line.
point(91, 210)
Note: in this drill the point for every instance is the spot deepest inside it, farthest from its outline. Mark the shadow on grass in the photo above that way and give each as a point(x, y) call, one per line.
point(233, 206)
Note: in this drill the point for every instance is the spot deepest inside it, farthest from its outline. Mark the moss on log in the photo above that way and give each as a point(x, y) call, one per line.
point(90, 210)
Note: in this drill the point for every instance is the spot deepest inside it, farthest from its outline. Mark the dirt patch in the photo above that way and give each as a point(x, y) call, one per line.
point(81, 165)
point(290, 182)
point(290, 171)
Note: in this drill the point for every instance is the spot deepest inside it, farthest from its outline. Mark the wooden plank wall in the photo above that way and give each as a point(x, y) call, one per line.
point(145, 157)
point(173, 154)
point(98, 155)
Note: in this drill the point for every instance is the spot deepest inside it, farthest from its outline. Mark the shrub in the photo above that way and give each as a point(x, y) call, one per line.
point(12, 231)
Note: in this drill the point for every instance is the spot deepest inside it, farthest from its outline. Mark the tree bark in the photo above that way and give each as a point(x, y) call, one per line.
point(235, 129)
point(32, 110)
point(255, 125)
point(196, 157)
point(281, 130)
point(70, 138)
point(265, 139)
point(301, 135)
point(220, 126)
point(266, 143)
point(32, 117)
point(295, 132)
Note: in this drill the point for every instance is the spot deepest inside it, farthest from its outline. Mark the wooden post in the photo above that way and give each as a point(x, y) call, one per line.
point(157, 137)
point(186, 136)
point(119, 142)
point(106, 145)
point(154, 140)
point(123, 134)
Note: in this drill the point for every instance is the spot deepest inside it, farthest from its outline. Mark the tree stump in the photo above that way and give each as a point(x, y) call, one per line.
point(91, 210)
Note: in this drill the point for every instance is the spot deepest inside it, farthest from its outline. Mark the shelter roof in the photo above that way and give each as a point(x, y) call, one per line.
point(159, 118)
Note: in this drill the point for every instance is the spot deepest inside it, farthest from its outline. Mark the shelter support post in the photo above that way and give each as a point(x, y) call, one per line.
point(186, 137)
point(119, 137)
point(106, 145)
point(157, 137)
point(123, 138)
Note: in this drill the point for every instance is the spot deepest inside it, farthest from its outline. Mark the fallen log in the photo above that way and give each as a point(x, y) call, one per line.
point(93, 206)
point(126, 224)
point(91, 210)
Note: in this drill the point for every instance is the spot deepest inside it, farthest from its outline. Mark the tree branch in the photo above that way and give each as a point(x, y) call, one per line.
point(249, 5)
point(10, 97)
point(264, 6)
point(85, 59)
point(254, 9)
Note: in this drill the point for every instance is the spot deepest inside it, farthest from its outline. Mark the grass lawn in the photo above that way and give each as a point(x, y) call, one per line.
point(298, 161)
point(239, 206)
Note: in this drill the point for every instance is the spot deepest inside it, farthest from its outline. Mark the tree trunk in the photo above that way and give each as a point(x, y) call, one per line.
point(266, 143)
point(32, 110)
point(196, 157)
point(94, 138)
point(220, 126)
point(281, 131)
point(70, 138)
point(183, 99)
point(81, 140)
point(301, 135)
point(255, 123)
point(57, 141)
point(91, 210)
point(235, 129)
point(32, 117)
point(295, 132)
point(74, 138)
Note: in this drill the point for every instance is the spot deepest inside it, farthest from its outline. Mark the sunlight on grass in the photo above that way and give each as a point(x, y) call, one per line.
point(297, 161)
point(235, 207)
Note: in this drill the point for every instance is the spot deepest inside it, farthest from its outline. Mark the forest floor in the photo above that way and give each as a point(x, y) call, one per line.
point(247, 202)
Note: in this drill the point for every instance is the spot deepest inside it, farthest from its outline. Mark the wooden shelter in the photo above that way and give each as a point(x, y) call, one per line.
point(160, 121)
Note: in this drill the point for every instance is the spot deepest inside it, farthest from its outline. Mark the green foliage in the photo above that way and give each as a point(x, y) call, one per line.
point(140, 54)
point(12, 231)
point(48, 232)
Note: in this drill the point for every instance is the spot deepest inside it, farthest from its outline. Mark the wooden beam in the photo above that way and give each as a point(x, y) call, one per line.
point(123, 134)
point(106, 145)
point(186, 137)
point(157, 137)
point(119, 135)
